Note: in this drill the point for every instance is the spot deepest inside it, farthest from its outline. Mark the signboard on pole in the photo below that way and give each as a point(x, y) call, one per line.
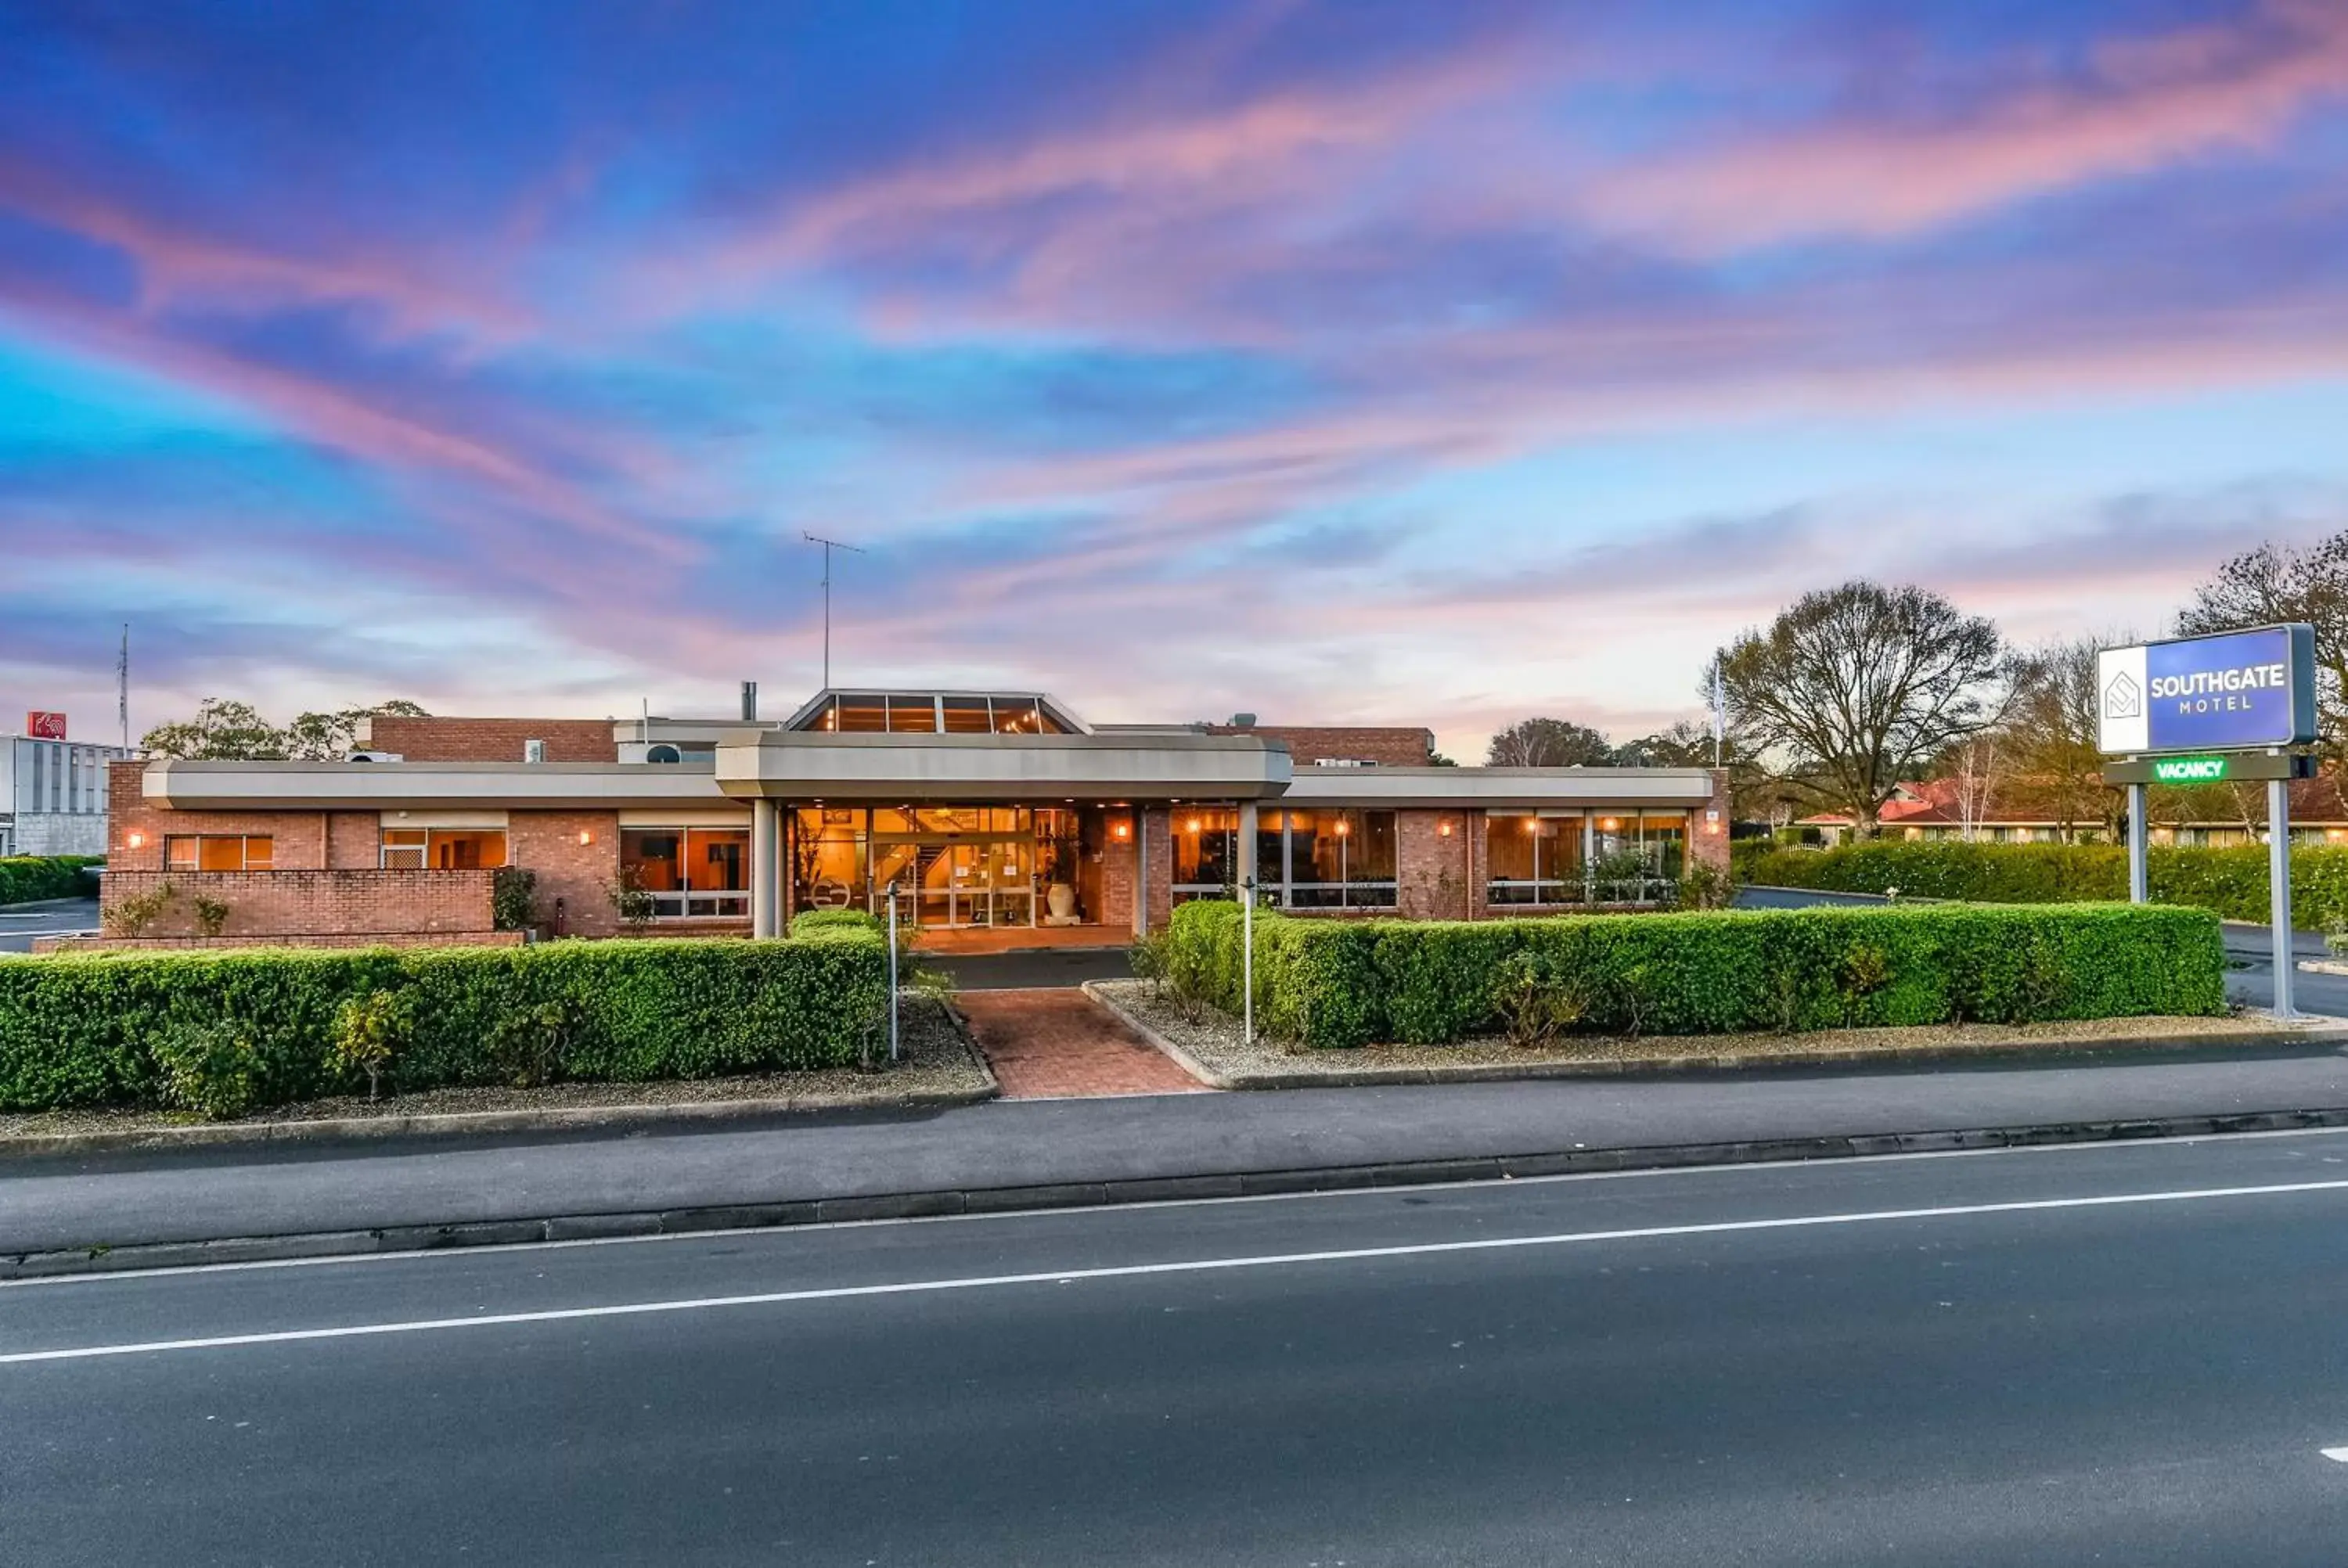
point(2235, 691)
point(43, 725)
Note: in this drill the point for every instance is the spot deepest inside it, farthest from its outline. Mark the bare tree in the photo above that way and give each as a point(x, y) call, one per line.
point(1549, 743)
point(2276, 583)
point(1854, 687)
point(1977, 765)
point(2053, 725)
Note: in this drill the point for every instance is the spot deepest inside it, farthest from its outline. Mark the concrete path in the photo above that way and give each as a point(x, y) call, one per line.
point(1058, 1043)
point(129, 1199)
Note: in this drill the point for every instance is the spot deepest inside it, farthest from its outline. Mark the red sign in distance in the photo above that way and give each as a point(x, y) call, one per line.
point(43, 726)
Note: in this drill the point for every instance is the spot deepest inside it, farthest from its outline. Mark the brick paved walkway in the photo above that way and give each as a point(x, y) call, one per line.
point(1060, 1043)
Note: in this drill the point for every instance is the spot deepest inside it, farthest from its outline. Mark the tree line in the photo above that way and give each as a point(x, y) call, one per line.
point(225, 730)
point(1855, 690)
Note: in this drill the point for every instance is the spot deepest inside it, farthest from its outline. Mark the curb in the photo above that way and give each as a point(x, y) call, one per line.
point(923, 1205)
point(2320, 1036)
point(682, 1115)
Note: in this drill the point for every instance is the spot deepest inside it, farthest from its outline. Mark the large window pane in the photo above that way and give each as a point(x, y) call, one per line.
point(1205, 851)
point(653, 857)
point(1341, 859)
point(863, 714)
point(910, 715)
point(828, 850)
point(967, 716)
point(717, 859)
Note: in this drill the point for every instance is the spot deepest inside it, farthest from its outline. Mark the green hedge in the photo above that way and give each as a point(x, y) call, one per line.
point(807, 920)
point(2231, 881)
point(1346, 983)
point(107, 1028)
point(25, 877)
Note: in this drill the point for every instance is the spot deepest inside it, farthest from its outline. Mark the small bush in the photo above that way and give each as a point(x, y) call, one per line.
point(1335, 984)
point(369, 1032)
point(212, 916)
point(130, 916)
point(131, 1028)
point(807, 920)
point(513, 898)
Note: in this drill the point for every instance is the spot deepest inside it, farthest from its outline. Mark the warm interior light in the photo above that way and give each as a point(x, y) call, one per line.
point(1609, 823)
point(1532, 824)
point(1193, 824)
point(1343, 827)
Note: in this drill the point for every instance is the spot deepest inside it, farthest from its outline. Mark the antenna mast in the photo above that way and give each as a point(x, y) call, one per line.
point(829, 545)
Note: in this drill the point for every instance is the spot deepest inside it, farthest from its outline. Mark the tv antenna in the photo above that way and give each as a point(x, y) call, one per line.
point(829, 545)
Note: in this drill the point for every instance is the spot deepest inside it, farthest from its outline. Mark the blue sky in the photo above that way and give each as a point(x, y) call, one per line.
point(1350, 362)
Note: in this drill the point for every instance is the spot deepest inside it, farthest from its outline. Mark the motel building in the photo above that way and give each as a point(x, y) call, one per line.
point(996, 819)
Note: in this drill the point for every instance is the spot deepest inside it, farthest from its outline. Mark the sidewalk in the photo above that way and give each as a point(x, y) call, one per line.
point(1035, 1154)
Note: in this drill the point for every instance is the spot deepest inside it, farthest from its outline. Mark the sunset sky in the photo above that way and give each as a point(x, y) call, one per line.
point(1405, 362)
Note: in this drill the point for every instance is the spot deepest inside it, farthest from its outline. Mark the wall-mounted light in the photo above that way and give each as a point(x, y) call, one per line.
point(585, 836)
point(1192, 825)
point(1532, 824)
point(136, 840)
point(1609, 823)
point(1122, 830)
point(1444, 828)
point(1343, 827)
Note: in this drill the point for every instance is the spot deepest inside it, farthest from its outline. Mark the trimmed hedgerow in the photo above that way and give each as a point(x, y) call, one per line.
point(25, 877)
point(807, 920)
point(222, 1031)
point(1332, 984)
point(2231, 882)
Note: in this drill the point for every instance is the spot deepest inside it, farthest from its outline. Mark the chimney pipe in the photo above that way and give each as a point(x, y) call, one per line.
point(749, 698)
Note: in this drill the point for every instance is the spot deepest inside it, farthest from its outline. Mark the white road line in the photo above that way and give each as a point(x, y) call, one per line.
point(1143, 1270)
point(2132, 1146)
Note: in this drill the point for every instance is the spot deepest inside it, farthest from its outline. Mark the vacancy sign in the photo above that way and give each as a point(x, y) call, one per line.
point(45, 726)
point(2237, 691)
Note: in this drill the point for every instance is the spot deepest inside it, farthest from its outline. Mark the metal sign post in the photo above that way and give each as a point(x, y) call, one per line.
point(2139, 834)
point(892, 973)
point(2279, 891)
point(1246, 960)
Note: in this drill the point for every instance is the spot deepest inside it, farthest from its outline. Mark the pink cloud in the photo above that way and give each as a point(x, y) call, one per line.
point(2145, 103)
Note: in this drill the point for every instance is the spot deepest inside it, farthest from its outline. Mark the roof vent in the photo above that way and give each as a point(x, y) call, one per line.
point(749, 700)
point(1242, 720)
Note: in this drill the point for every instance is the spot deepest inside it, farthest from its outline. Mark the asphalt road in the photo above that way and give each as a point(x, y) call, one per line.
point(20, 922)
point(2131, 1354)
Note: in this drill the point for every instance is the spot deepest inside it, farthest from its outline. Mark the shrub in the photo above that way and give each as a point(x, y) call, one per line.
point(1333, 984)
point(25, 877)
point(513, 898)
point(114, 1029)
point(131, 915)
point(807, 920)
point(210, 1069)
point(369, 1032)
point(632, 903)
point(212, 916)
point(2231, 881)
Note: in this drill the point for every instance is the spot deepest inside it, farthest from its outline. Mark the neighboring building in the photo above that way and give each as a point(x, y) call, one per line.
point(53, 795)
point(994, 810)
point(2023, 810)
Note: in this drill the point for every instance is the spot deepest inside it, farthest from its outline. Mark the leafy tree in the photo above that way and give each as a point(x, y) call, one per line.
point(1853, 689)
point(1549, 743)
point(2274, 583)
point(227, 730)
point(222, 731)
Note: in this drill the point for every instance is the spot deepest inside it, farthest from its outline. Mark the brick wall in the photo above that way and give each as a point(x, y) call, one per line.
point(1432, 865)
point(491, 740)
point(580, 875)
point(383, 939)
point(1307, 743)
point(300, 837)
point(299, 904)
point(1708, 826)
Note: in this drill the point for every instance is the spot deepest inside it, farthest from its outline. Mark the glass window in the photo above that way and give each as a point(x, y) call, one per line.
point(1205, 851)
point(441, 848)
point(967, 716)
point(1018, 715)
point(717, 859)
point(1532, 858)
point(861, 715)
point(1341, 859)
point(40, 774)
point(828, 859)
point(402, 848)
point(219, 852)
point(912, 715)
point(653, 858)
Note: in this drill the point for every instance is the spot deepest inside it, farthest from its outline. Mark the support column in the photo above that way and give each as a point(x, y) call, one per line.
point(2140, 836)
point(766, 868)
point(2279, 891)
point(1140, 869)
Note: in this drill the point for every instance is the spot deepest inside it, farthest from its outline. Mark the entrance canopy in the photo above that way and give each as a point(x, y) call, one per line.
point(819, 765)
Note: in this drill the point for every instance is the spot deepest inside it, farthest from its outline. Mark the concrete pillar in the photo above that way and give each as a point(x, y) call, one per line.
point(1140, 870)
point(766, 868)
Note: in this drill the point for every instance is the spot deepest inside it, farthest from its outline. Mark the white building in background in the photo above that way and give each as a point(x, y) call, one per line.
point(53, 795)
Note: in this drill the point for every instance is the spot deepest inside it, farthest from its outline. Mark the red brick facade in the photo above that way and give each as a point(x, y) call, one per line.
point(1388, 746)
point(491, 740)
point(312, 903)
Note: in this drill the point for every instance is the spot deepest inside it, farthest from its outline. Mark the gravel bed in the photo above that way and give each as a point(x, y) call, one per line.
point(939, 1064)
point(1212, 1040)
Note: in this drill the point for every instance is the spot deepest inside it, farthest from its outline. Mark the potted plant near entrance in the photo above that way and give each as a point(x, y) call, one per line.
point(1056, 848)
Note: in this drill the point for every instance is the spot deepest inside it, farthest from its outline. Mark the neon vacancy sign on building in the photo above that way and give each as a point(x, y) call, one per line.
point(2236, 690)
